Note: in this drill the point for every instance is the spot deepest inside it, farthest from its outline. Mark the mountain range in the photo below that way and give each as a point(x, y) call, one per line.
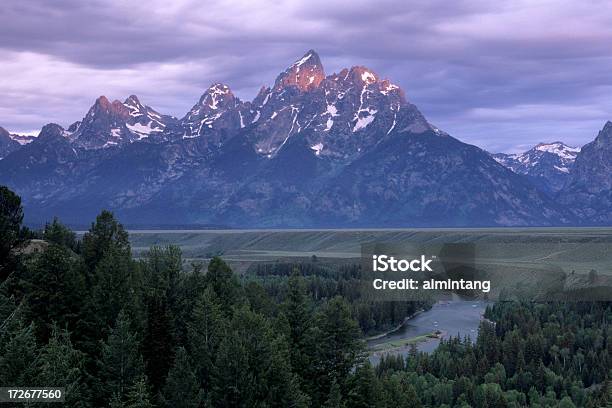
point(311, 150)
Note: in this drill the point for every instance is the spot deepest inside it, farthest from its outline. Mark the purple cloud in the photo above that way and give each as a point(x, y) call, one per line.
point(500, 75)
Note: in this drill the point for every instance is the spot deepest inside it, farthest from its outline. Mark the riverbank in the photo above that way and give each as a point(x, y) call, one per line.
point(398, 327)
point(426, 328)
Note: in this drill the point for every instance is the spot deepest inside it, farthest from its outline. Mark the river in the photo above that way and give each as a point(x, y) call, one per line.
point(451, 318)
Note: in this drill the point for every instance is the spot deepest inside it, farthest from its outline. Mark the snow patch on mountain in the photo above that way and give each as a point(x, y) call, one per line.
point(560, 149)
point(22, 139)
point(142, 130)
point(302, 60)
point(318, 148)
point(368, 77)
point(546, 164)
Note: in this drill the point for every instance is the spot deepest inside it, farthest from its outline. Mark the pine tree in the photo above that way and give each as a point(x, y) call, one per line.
point(339, 346)
point(105, 235)
point(55, 232)
point(252, 367)
point(397, 393)
point(139, 395)
point(163, 270)
point(566, 402)
point(54, 290)
point(160, 343)
point(164, 280)
point(364, 389)
point(112, 289)
point(18, 353)
point(334, 399)
point(259, 299)
point(182, 389)
point(223, 282)
point(121, 365)
point(61, 365)
point(297, 312)
point(204, 333)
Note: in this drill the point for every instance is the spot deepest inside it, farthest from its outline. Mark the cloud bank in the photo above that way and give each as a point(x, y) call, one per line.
point(502, 75)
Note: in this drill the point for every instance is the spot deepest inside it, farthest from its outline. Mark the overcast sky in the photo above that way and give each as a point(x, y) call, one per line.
point(503, 75)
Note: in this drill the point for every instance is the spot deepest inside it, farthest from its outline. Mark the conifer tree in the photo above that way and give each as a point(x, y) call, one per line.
point(139, 395)
point(303, 344)
point(204, 334)
point(339, 346)
point(55, 232)
point(112, 291)
point(224, 283)
point(121, 364)
point(18, 353)
point(160, 342)
point(54, 290)
point(252, 367)
point(62, 365)
point(182, 389)
point(334, 399)
point(105, 235)
point(364, 388)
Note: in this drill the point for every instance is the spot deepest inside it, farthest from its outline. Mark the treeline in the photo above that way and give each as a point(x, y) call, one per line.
point(124, 333)
point(119, 332)
point(325, 281)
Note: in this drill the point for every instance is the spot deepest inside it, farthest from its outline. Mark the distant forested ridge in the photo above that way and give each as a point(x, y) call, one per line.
point(120, 332)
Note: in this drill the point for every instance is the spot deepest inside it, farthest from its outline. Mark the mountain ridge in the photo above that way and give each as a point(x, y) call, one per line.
point(343, 150)
point(547, 165)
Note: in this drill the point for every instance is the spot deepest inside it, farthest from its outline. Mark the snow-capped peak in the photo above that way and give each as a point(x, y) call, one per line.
point(558, 148)
point(116, 123)
point(134, 105)
point(546, 163)
point(216, 96)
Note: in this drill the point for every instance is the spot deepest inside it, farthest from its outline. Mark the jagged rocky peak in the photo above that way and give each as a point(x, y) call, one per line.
point(217, 109)
point(590, 184)
point(305, 74)
point(103, 106)
point(134, 105)
point(7, 144)
point(104, 125)
point(144, 120)
point(361, 74)
point(605, 135)
point(52, 130)
point(218, 96)
point(105, 110)
point(343, 116)
point(364, 77)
